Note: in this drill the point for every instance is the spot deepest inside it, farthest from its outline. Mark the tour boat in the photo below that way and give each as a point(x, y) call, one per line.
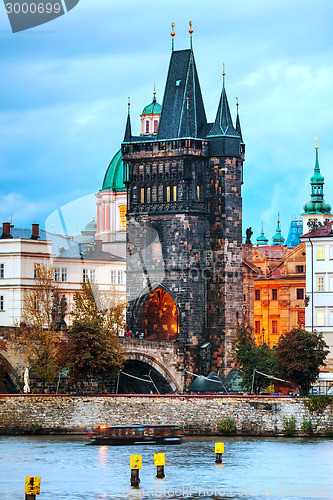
point(135, 434)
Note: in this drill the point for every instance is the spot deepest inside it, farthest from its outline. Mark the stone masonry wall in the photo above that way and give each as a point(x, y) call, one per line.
point(197, 415)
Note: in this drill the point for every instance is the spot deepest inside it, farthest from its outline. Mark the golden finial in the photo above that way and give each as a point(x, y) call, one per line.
point(223, 73)
point(154, 93)
point(129, 105)
point(173, 35)
point(191, 33)
point(316, 139)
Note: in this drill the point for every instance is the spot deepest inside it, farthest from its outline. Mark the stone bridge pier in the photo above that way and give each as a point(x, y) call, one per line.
point(166, 357)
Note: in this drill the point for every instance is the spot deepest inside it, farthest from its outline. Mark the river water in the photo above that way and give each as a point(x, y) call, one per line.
point(253, 468)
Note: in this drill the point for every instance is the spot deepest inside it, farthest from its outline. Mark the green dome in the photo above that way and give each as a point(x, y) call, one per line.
point(114, 175)
point(152, 109)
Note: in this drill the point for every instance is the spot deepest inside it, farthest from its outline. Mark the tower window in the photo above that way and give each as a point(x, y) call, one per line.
point(198, 192)
point(122, 218)
point(168, 193)
point(147, 126)
point(174, 193)
point(155, 126)
point(142, 195)
point(148, 195)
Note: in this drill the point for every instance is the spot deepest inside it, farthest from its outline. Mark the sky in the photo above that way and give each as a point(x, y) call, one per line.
point(64, 88)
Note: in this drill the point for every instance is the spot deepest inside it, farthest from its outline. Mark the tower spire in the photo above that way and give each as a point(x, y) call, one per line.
point(154, 93)
point(238, 126)
point(223, 125)
point(191, 33)
point(317, 203)
point(128, 132)
point(173, 36)
point(278, 239)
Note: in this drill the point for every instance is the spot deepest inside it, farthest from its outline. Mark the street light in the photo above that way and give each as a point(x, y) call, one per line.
point(263, 335)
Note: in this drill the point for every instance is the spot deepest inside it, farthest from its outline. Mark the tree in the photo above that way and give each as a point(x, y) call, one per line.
point(42, 313)
point(92, 348)
point(299, 357)
point(249, 356)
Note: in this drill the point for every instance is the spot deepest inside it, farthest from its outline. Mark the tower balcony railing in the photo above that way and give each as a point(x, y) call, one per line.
point(169, 206)
point(196, 147)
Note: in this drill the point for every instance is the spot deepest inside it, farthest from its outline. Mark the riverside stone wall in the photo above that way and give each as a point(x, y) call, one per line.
point(197, 415)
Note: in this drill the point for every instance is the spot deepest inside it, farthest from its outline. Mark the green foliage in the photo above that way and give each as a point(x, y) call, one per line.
point(289, 425)
point(92, 348)
point(299, 357)
point(36, 428)
point(249, 356)
point(227, 426)
point(307, 426)
point(318, 403)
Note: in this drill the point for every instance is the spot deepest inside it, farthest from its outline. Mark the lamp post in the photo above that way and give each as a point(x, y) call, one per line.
point(263, 336)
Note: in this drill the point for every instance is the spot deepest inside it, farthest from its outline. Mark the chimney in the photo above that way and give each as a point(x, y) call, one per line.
point(6, 230)
point(98, 244)
point(35, 232)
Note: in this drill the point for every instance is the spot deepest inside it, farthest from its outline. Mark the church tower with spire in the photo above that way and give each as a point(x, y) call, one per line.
point(316, 211)
point(184, 222)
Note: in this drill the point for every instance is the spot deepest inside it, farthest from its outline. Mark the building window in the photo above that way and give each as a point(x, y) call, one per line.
point(147, 126)
point(155, 126)
point(122, 218)
point(168, 193)
point(331, 252)
point(198, 192)
point(174, 193)
point(256, 294)
point(320, 318)
point(257, 326)
point(142, 195)
point(88, 275)
point(300, 293)
point(2, 270)
point(2, 303)
point(60, 274)
point(299, 269)
point(36, 270)
point(117, 277)
point(320, 253)
point(148, 195)
point(320, 283)
point(274, 326)
point(274, 294)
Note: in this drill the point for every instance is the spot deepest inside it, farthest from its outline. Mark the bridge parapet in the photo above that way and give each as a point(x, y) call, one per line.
point(166, 357)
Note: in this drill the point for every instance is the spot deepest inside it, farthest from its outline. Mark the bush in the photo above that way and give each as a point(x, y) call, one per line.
point(318, 403)
point(227, 426)
point(307, 426)
point(289, 425)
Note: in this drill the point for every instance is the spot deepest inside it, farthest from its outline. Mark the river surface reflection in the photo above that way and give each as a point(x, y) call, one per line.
point(253, 468)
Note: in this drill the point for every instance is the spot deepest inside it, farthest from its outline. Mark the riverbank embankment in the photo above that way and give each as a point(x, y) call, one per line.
point(197, 415)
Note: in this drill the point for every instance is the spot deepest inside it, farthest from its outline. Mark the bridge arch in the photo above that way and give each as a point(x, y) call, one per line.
point(155, 314)
point(155, 363)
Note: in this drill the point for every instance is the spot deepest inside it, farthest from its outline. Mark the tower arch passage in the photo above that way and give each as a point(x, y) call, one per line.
point(158, 315)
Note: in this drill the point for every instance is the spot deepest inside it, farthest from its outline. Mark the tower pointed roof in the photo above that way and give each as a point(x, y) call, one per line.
point(238, 125)
point(223, 125)
point(182, 83)
point(128, 132)
point(262, 240)
point(278, 239)
point(317, 204)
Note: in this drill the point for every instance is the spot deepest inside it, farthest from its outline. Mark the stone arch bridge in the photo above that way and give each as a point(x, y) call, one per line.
point(164, 356)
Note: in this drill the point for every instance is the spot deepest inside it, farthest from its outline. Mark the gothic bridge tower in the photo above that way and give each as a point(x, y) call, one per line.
point(184, 223)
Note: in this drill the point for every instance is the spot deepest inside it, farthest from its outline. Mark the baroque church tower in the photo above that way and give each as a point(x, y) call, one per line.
point(184, 223)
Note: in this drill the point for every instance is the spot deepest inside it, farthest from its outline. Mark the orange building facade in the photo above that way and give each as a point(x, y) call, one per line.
point(279, 291)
